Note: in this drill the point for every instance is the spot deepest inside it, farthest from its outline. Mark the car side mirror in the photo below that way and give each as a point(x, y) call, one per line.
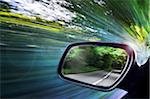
point(96, 65)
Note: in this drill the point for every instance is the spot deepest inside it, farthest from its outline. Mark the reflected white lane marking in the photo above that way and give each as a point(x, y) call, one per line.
point(95, 83)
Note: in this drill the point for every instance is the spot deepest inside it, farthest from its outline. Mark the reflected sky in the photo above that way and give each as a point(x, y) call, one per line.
point(34, 34)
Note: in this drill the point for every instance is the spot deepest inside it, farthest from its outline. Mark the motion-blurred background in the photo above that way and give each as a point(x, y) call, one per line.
point(35, 33)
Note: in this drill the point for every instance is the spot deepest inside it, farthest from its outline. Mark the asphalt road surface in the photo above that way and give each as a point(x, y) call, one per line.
point(101, 78)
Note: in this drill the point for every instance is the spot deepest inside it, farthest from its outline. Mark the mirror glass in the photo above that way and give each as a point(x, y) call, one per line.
point(96, 65)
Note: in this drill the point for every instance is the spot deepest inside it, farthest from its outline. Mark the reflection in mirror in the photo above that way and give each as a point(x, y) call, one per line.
point(96, 65)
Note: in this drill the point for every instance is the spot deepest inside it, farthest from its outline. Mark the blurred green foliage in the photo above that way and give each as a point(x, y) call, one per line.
point(92, 58)
point(131, 15)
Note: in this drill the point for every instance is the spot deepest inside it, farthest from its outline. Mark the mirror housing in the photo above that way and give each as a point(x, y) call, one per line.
point(74, 76)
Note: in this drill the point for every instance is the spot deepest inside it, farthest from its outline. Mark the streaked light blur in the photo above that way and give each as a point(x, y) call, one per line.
point(34, 34)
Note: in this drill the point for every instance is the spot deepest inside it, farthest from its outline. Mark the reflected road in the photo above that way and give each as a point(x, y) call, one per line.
point(101, 78)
